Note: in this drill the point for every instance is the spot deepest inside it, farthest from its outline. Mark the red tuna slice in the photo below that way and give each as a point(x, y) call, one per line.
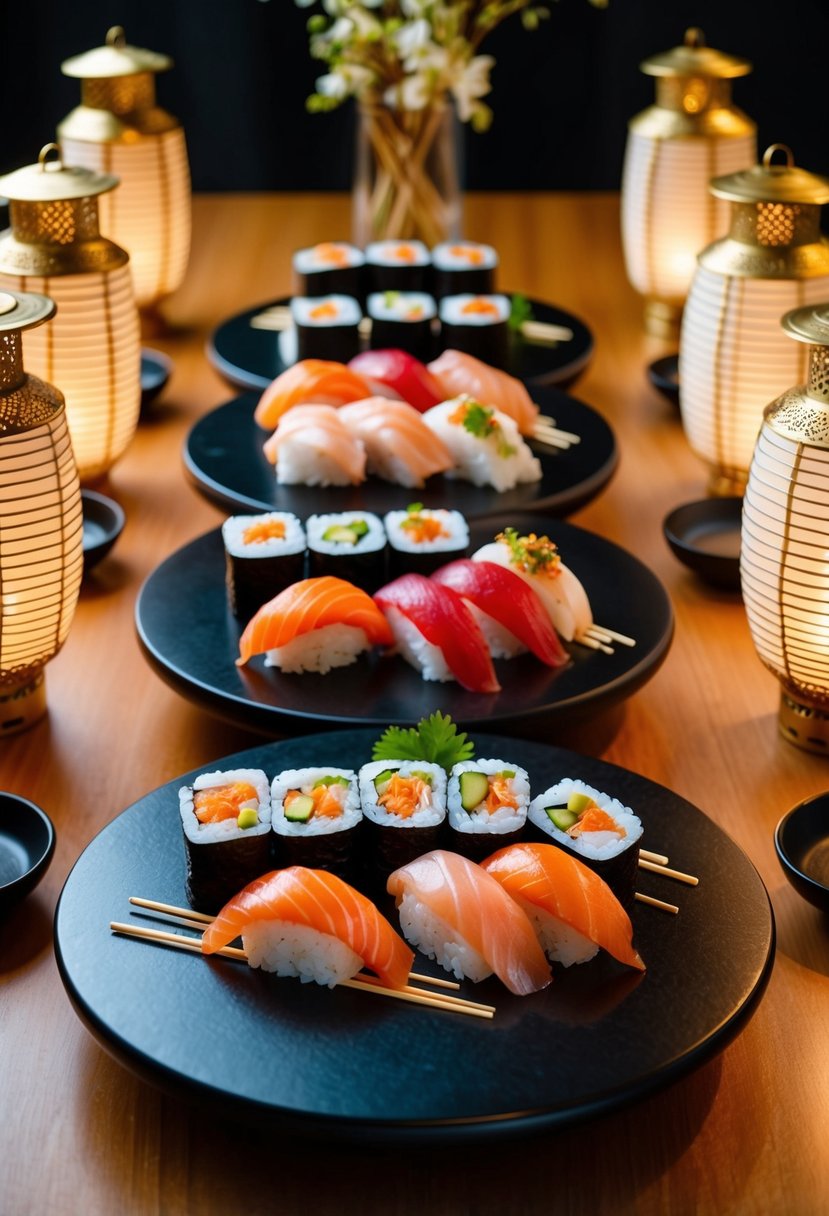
point(445, 621)
point(402, 373)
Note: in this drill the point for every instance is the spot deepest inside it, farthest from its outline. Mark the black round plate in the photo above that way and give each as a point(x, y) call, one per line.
point(103, 522)
point(250, 358)
point(349, 1066)
point(224, 459)
point(664, 375)
point(705, 537)
point(192, 640)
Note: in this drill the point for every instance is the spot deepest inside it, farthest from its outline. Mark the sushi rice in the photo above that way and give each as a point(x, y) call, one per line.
point(318, 525)
point(226, 829)
point(501, 459)
point(304, 780)
point(300, 951)
point(506, 818)
point(320, 649)
point(593, 846)
point(432, 810)
point(439, 940)
point(452, 522)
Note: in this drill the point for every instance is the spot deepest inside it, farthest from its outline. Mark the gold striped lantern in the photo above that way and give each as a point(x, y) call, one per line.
point(92, 346)
point(118, 128)
point(784, 560)
point(733, 355)
point(692, 133)
point(41, 522)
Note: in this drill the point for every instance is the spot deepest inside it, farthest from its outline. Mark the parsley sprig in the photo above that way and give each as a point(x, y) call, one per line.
point(435, 739)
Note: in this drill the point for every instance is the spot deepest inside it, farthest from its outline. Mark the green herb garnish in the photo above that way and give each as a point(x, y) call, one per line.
point(521, 310)
point(481, 422)
point(435, 739)
point(534, 554)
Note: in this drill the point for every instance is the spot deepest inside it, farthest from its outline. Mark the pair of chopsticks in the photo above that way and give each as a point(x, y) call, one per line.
point(599, 637)
point(188, 919)
point(656, 863)
point(278, 318)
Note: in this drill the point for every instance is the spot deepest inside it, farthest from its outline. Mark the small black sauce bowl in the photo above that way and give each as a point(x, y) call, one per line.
point(801, 839)
point(156, 369)
point(103, 522)
point(664, 376)
point(705, 537)
point(27, 842)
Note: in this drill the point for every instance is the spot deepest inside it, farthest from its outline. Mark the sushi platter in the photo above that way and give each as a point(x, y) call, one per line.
point(335, 1063)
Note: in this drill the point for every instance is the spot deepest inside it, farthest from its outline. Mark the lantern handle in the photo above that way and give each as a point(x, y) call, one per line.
point(116, 36)
point(770, 151)
point(55, 165)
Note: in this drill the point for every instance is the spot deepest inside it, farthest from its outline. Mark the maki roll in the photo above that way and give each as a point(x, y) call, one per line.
point(463, 266)
point(349, 545)
point(316, 818)
point(226, 823)
point(332, 266)
point(476, 325)
point(397, 266)
point(263, 555)
point(402, 320)
point(327, 327)
point(486, 445)
point(596, 828)
point(421, 539)
point(487, 804)
point(404, 808)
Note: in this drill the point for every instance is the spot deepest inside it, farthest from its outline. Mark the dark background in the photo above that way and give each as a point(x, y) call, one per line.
point(562, 95)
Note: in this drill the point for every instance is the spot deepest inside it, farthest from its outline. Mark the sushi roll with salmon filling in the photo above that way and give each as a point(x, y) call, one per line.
point(486, 445)
point(316, 818)
point(397, 266)
point(263, 555)
point(404, 809)
point(327, 327)
point(422, 539)
point(332, 266)
point(595, 828)
point(477, 326)
point(402, 320)
point(349, 545)
point(226, 822)
point(487, 804)
point(463, 266)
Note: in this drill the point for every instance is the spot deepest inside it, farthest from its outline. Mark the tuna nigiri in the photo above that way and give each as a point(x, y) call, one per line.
point(320, 381)
point(574, 912)
point(311, 924)
point(459, 915)
point(399, 445)
point(511, 616)
point(312, 447)
point(435, 632)
point(402, 374)
point(461, 373)
point(314, 625)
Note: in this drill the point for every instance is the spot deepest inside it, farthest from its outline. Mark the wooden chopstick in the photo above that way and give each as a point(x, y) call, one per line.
point(656, 903)
point(659, 858)
point(658, 868)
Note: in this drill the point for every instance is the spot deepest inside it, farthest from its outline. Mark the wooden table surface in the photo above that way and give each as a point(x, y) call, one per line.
point(746, 1133)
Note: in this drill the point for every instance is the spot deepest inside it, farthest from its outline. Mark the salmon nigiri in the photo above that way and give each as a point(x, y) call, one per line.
point(314, 625)
point(399, 446)
point(461, 373)
point(572, 909)
point(311, 924)
point(459, 915)
point(312, 447)
point(311, 380)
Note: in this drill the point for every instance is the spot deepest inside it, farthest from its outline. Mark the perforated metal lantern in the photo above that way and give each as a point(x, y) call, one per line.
point(92, 346)
point(118, 128)
point(692, 133)
point(733, 355)
point(41, 523)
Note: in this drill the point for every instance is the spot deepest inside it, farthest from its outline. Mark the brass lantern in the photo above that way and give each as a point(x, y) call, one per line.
point(785, 539)
point(733, 355)
point(92, 346)
point(41, 522)
point(692, 133)
point(118, 128)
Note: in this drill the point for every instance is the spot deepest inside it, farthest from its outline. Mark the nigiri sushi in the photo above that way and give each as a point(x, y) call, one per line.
point(511, 616)
point(312, 447)
point(314, 625)
point(461, 916)
point(399, 445)
point(401, 374)
point(486, 445)
point(319, 381)
point(573, 911)
point(458, 372)
point(310, 924)
point(535, 559)
point(435, 632)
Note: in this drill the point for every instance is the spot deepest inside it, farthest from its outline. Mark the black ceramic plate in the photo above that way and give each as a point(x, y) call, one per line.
point(250, 358)
point(224, 459)
point(705, 537)
point(355, 1067)
point(191, 639)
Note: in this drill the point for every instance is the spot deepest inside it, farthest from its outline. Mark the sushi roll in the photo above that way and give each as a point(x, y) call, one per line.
point(327, 327)
point(402, 320)
point(314, 625)
point(349, 545)
point(421, 539)
point(595, 828)
point(477, 326)
point(263, 555)
point(397, 266)
point(314, 381)
point(487, 804)
point(316, 818)
point(486, 445)
point(226, 824)
point(458, 372)
point(309, 923)
point(459, 915)
point(312, 447)
point(396, 373)
point(399, 446)
point(327, 268)
point(404, 809)
point(463, 266)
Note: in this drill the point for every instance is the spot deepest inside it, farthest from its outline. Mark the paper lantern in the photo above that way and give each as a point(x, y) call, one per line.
point(118, 128)
point(733, 355)
point(92, 346)
point(41, 522)
point(674, 148)
point(784, 562)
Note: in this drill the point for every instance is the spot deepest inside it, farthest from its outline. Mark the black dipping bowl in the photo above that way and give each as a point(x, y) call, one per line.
point(27, 842)
point(103, 521)
point(705, 536)
point(801, 839)
point(156, 369)
point(664, 376)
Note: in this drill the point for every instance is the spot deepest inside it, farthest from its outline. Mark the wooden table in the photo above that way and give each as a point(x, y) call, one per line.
point(746, 1133)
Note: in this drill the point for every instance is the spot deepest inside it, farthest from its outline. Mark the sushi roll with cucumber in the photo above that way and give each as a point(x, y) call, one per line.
point(331, 266)
point(326, 327)
point(477, 325)
point(397, 266)
point(595, 827)
point(349, 545)
point(316, 818)
point(404, 809)
point(402, 320)
point(226, 824)
point(487, 803)
point(486, 445)
point(421, 539)
point(463, 266)
point(263, 555)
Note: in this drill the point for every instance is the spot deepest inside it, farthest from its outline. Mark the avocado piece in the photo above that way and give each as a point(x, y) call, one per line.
point(330, 781)
point(247, 818)
point(424, 776)
point(358, 526)
point(579, 802)
point(506, 774)
point(561, 817)
point(341, 534)
point(474, 787)
point(300, 809)
point(383, 779)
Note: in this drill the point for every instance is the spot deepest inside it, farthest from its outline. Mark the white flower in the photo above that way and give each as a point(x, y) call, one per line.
point(413, 92)
point(472, 83)
point(414, 8)
point(428, 58)
point(412, 37)
point(365, 24)
point(344, 80)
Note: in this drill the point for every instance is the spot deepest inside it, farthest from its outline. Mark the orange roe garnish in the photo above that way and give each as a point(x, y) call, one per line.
point(499, 795)
point(480, 306)
point(265, 529)
point(594, 819)
point(402, 795)
point(223, 801)
point(471, 253)
point(326, 803)
point(405, 253)
point(323, 311)
point(421, 528)
point(329, 252)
